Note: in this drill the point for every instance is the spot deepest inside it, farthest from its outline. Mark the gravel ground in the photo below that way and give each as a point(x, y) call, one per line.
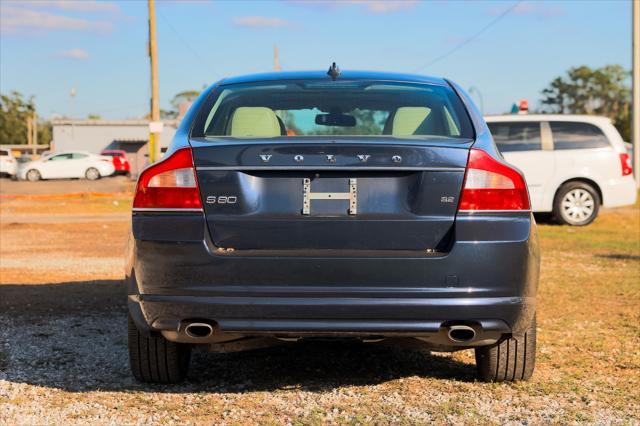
point(111, 184)
point(63, 355)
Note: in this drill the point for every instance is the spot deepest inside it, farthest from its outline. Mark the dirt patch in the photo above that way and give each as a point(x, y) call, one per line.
point(63, 355)
point(109, 185)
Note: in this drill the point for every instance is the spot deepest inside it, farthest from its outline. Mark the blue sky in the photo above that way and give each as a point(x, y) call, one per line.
point(99, 48)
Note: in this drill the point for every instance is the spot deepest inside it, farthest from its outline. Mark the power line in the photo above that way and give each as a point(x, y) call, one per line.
point(183, 41)
point(470, 39)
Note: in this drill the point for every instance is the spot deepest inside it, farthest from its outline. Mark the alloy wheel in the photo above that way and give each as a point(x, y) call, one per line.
point(33, 175)
point(92, 174)
point(578, 205)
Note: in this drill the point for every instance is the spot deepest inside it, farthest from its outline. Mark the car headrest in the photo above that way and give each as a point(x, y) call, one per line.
point(259, 122)
point(407, 120)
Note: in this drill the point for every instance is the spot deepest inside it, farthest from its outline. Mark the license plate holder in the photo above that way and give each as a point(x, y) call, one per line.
point(308, 196)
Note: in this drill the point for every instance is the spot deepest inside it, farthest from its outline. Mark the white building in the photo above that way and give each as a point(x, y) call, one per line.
point(94, 136)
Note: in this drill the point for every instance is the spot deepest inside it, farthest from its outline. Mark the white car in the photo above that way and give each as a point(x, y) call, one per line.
point(65, 165)
point(573, 164)
point(8, 164)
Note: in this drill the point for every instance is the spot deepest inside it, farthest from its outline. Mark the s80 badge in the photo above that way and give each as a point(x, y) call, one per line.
point(221, 199)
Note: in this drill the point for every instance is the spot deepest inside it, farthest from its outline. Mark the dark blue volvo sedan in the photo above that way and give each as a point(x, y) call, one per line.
point(352, 205)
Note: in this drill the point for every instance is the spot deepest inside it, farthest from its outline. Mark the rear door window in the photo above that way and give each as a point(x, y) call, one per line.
point(567, 135)
point(516, 136)
point(61, 157)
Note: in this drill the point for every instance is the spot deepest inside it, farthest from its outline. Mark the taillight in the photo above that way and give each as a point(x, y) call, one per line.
point(491, 185)
point(169, 184)
point(625, 162)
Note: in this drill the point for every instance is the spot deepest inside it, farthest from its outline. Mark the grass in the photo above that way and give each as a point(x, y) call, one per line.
point(587, 367)
point(589, 312)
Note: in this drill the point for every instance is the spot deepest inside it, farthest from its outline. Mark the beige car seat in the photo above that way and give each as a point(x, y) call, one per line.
point(256, 122)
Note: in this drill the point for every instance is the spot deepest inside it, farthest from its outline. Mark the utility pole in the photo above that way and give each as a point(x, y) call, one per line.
point(276, 58)
point(29, 132)
point(154, 131)
point(635, 105)
point(35, 133)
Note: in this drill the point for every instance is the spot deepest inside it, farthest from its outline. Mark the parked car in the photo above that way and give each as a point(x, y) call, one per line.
point(65, 165)
point(389, 215)
point(24, 158)
point(8, 164)
point(120, 161)
point(573, 163)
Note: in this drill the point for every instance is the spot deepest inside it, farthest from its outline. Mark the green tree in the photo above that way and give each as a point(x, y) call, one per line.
point(368, 122)
point(14, 112)
point(601, 91)
point(182, 97)
point(45, 132)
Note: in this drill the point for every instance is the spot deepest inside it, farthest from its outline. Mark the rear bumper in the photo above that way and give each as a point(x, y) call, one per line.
point(107, 170)
point(619, 192)
point(488, 280)
point(9, 168)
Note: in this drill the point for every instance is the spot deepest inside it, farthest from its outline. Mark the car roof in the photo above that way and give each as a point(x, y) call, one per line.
point(71, 152)
point(582, 118)
point(345, 75)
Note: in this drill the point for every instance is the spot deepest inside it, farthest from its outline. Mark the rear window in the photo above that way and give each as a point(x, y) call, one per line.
point(3, 152)
point(516, 136)
point(333, 108)
point(567, 135)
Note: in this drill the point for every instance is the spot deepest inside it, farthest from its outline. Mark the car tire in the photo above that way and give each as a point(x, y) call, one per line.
point(576, 203)
point(33, 175)
point(154, 359)
point(510, 360)
point(92, 173)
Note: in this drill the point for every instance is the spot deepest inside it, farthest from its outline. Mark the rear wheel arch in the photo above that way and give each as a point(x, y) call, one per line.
point(588, 181)
point(577, 202)
point(92, 173)
point(34, 171)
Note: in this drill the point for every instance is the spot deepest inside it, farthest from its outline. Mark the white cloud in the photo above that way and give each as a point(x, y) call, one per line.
point(539, 10)
point(74, 5)
point(372, 6)
point(183, 2)
point(385, 6)
point(75, 53)
point(17, 19)
point(260, 21)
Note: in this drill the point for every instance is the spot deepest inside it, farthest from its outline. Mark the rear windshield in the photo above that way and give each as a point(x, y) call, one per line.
point(333, 108)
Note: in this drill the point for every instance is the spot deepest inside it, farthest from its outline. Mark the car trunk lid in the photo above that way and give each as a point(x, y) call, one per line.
point(371, 194)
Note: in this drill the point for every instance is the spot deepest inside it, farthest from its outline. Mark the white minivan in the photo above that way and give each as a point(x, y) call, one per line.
point(573, 164)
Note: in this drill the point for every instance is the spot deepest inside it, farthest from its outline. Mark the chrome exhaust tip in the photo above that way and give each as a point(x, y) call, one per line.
point(461, 333)
point(198, 330)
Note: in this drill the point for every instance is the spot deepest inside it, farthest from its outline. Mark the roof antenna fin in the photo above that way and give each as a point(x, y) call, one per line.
point(334, 71)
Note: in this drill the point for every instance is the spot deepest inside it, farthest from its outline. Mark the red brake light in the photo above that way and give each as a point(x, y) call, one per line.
point(625, 162)
point(491, 185)
point(169, 184)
